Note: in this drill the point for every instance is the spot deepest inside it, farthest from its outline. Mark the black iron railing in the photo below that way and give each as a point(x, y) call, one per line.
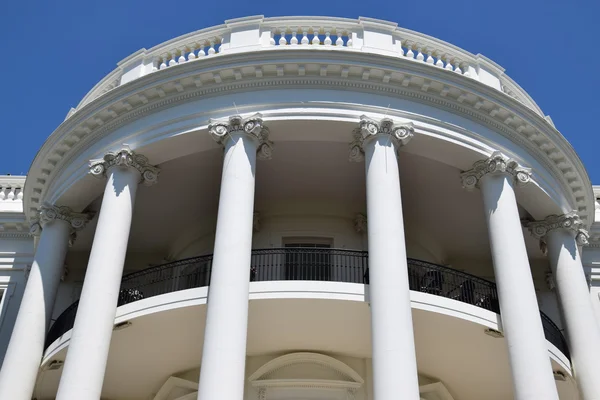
point(307, 264)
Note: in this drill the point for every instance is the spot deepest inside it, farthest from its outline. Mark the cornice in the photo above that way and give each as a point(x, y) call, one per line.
point(184, 82)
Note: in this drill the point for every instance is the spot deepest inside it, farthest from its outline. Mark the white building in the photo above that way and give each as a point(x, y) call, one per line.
point(410, 230)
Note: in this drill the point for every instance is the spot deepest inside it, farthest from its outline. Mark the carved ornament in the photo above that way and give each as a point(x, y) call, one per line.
point(125, 158)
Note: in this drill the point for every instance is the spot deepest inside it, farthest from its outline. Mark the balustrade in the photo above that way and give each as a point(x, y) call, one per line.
point(11, 189)
point(307, 264)
point(310, 33)
point(195, 50)
point(339, 37)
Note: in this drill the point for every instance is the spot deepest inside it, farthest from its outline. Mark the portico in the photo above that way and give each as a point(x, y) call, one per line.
point(407, 272)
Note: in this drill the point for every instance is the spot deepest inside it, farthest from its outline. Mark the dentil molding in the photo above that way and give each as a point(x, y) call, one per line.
point(497, 163)
point(252, 126)
point(125, 158)
point(185, 82)
point(399, 134)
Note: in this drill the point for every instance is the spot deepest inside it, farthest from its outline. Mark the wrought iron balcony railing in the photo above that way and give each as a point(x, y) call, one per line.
point(307, 264)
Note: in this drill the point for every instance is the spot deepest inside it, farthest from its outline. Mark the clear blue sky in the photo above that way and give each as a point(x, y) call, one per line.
point(53, 52)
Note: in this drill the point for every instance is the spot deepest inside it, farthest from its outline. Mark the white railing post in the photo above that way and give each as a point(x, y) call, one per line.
point(377, 36)
point(489, 72)
point(244, 35)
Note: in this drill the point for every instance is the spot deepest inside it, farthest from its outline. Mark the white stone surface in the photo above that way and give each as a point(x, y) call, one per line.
point(394, 359)
point(583, 332)
point(83, 372)
point(530, 365)
point(21, 362)
point(224, 350)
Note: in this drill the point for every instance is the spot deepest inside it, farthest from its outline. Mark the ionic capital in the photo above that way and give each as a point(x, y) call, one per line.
point(569, 221)
point(497, 163)
point(125, 158)
point(252, 126)
point(48, 213)
point(368, 128)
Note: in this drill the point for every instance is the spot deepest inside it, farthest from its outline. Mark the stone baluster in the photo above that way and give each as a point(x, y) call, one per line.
point(448, 62)
point(429, 59)
point(439, 63)
point(163, 61)
point(192, 54)
point(315, 39)
point(339, 41)
point(172, 61)
point(457, 66)
point(420, 56)
point(409, 52)
point(181, 58)
point(304, 40)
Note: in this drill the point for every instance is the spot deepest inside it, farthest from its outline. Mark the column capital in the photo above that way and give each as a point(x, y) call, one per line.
point(569, 221)
point(252, 126)
point(360, 223)
point(48, 213)
point(125, 158)
point(497, 163)
point(368, 128)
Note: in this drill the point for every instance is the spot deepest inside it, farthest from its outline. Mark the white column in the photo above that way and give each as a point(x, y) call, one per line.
point(530, 364)
point(26, 346)
point(394, 359)
point(561, 236)
point(85, 364)
point(224, 351)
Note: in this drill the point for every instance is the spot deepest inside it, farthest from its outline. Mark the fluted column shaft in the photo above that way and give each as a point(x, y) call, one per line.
point(224, 351)
point(85, 364)
point(394, 360)
point(561, 235)
point(26, 346)
point(530, 365)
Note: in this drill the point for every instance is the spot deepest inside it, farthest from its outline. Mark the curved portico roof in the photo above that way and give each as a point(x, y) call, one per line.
point(257, 53)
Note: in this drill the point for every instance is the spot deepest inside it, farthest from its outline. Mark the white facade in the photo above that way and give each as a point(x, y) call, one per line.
point(301, 208)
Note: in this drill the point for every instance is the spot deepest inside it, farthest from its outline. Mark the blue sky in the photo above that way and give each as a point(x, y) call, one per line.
point(53, 52)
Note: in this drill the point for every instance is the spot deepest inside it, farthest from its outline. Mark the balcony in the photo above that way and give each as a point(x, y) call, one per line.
point(307, 264)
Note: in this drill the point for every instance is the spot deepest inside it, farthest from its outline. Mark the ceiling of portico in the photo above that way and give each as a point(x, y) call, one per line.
point(309, 178)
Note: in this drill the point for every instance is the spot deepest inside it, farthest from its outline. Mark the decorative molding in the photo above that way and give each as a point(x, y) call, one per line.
point(252, 126)
point(360, 223)
point(48, 213)
point(497, 163)
point(125, 158)
point(569, 221)
point(78, 132)
point(302, 358)
point(368, 128)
